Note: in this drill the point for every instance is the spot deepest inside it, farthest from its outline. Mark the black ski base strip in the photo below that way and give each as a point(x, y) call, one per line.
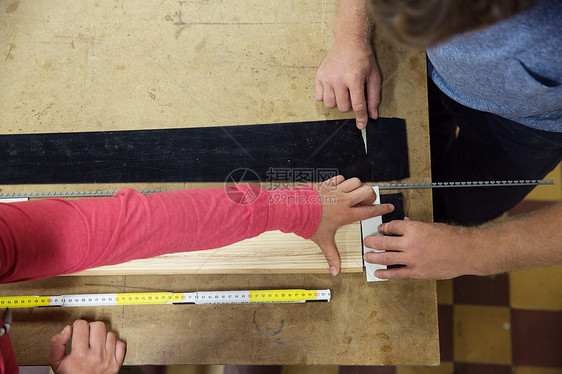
point(286, 152)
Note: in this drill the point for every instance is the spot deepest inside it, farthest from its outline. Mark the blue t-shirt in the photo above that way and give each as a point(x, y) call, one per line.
point(512, 69)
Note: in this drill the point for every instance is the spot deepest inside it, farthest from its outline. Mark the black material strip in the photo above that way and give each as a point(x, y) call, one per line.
point(387, 149)
point(397, 200)
point(288, 152)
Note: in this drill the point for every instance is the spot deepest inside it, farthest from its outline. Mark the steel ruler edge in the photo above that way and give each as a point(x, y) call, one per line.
point(382, 186)
point(159, 298)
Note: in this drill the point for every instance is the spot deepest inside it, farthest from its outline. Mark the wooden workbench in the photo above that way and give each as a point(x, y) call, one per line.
point(93, 66)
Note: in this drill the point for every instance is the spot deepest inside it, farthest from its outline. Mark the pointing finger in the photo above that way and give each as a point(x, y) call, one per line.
point(373, 96)
point(370, 211)
point(358, 102)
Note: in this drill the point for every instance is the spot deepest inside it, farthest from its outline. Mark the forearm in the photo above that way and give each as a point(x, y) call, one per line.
point(353, 22)
point(51, 237)
point(521, 242)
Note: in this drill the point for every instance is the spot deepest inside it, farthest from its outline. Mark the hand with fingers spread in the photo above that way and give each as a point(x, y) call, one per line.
point(343, 202)
point(428, 250)
point(94, 350)
point(441, 251)
point(349, 76)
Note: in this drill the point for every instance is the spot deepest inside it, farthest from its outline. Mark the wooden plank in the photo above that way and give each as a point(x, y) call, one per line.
point(271, 252)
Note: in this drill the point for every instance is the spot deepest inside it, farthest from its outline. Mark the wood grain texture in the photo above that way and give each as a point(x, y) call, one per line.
point(271, 252)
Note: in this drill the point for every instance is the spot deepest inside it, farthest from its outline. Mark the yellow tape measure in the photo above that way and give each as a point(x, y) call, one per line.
point(156, 298)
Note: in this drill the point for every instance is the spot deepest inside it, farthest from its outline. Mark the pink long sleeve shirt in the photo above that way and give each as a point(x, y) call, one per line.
point(45, 238)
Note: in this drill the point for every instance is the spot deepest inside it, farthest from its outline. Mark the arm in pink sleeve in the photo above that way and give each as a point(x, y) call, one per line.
point(51, 237)
point(8, 363)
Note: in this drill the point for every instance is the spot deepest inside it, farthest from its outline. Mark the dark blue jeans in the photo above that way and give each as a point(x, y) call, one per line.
point(487, 147)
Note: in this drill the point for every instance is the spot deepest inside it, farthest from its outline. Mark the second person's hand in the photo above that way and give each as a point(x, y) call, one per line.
point(94, 350)
point(349, 78)
point(426, 250)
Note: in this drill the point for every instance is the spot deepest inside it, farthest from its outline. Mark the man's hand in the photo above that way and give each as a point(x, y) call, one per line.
point(343, 202)
point(94, 350)
point(428, 250)
point(349, 78)
point(440, 251)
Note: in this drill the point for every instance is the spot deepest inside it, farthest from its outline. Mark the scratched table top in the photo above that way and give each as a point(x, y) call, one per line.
point(87, 66)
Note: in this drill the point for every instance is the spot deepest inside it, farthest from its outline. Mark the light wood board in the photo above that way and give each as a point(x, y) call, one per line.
point(271, 252)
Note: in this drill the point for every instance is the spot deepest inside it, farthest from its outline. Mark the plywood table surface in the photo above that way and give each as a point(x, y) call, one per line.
point(122, 65)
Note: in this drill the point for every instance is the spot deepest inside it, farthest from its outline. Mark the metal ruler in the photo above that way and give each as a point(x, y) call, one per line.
point(383, 186)
point(159, 298)
point(505, 183)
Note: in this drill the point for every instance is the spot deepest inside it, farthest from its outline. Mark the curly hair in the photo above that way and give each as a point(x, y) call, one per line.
point(423, 23)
